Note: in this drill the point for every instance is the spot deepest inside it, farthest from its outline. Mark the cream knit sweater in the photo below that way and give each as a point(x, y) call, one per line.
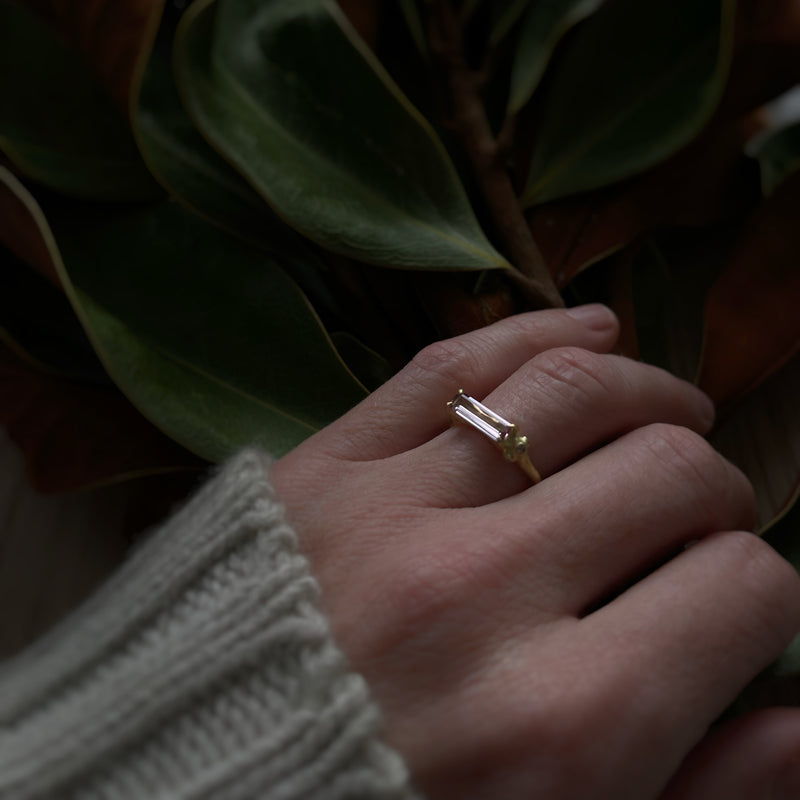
point(202, 669)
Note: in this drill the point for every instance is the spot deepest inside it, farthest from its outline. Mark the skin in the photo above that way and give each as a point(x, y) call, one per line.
point(557, 640)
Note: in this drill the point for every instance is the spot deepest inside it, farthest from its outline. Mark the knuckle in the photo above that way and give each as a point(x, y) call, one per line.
point(770, 583)
point(450, 359)
point(724, 493)
point(759, 561)
point(571, 369)
point(683, 452)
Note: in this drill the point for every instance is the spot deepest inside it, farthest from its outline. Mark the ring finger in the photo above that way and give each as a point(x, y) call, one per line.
point(568, 402)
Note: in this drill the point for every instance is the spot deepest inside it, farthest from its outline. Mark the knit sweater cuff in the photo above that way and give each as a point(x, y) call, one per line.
point(202, 669)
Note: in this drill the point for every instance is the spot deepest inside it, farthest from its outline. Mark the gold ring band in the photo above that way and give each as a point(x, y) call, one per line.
point(504, 434)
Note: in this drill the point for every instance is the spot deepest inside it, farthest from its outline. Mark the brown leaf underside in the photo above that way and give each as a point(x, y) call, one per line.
point(77, 435)
point(109, 34)
point(752, 327)
point(702, 184)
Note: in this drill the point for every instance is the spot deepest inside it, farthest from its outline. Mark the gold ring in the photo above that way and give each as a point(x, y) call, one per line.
point(504, 434)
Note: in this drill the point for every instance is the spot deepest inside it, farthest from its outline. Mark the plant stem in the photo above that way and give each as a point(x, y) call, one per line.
point(487, 158)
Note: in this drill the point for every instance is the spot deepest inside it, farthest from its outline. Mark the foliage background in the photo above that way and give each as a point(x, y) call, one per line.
point(225, 221)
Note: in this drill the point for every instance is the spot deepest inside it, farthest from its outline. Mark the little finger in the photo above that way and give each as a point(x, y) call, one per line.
point(689, 637)
point(606, 520)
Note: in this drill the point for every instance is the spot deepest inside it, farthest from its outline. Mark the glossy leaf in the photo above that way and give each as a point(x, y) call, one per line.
point(706, 183)
point(371, 368)
point(636, 83)
point(752, 326)
point(191, 170)
point(207, 337)
point(542, 28)
point(182, 159)
point(57, 123)
point(779, 156)
point(289, 95)
point(211, 321)
point(20, 234)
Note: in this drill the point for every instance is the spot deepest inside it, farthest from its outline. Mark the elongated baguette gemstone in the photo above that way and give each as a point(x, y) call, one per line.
point(504, 434)
point(479, 416)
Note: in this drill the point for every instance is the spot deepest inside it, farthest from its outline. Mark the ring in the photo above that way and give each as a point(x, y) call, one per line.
point(504, 434)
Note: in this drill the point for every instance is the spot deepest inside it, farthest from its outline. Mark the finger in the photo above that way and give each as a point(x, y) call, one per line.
point(688, 638)
point(756, 757)
point(567, 401)
point(410, 408)
point(612, 516)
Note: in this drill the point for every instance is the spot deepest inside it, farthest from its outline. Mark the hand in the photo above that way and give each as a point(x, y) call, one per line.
point(557, 640)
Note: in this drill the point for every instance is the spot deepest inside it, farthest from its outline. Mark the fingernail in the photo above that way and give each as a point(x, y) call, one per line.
point(594, 315)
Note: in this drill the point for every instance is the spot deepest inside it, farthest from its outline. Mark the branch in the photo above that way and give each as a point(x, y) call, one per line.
point(487, 158)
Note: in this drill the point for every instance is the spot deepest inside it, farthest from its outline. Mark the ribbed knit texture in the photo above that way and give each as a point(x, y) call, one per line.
point(202, 669)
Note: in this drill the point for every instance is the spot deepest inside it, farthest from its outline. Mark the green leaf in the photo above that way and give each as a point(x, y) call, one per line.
point(543, 27)
point(290, 96)
point(637, 82)
point(778, 157)
point(213, 321)
point(506, 15)
point(191, 170)
point(57, 123)
point(206, 336)
point(416, 29)
point(38, 321)
point(207, 414)
point(371, 368)
point(186, 164)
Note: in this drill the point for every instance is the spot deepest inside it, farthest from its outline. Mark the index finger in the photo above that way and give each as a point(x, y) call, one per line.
point(409, 409)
